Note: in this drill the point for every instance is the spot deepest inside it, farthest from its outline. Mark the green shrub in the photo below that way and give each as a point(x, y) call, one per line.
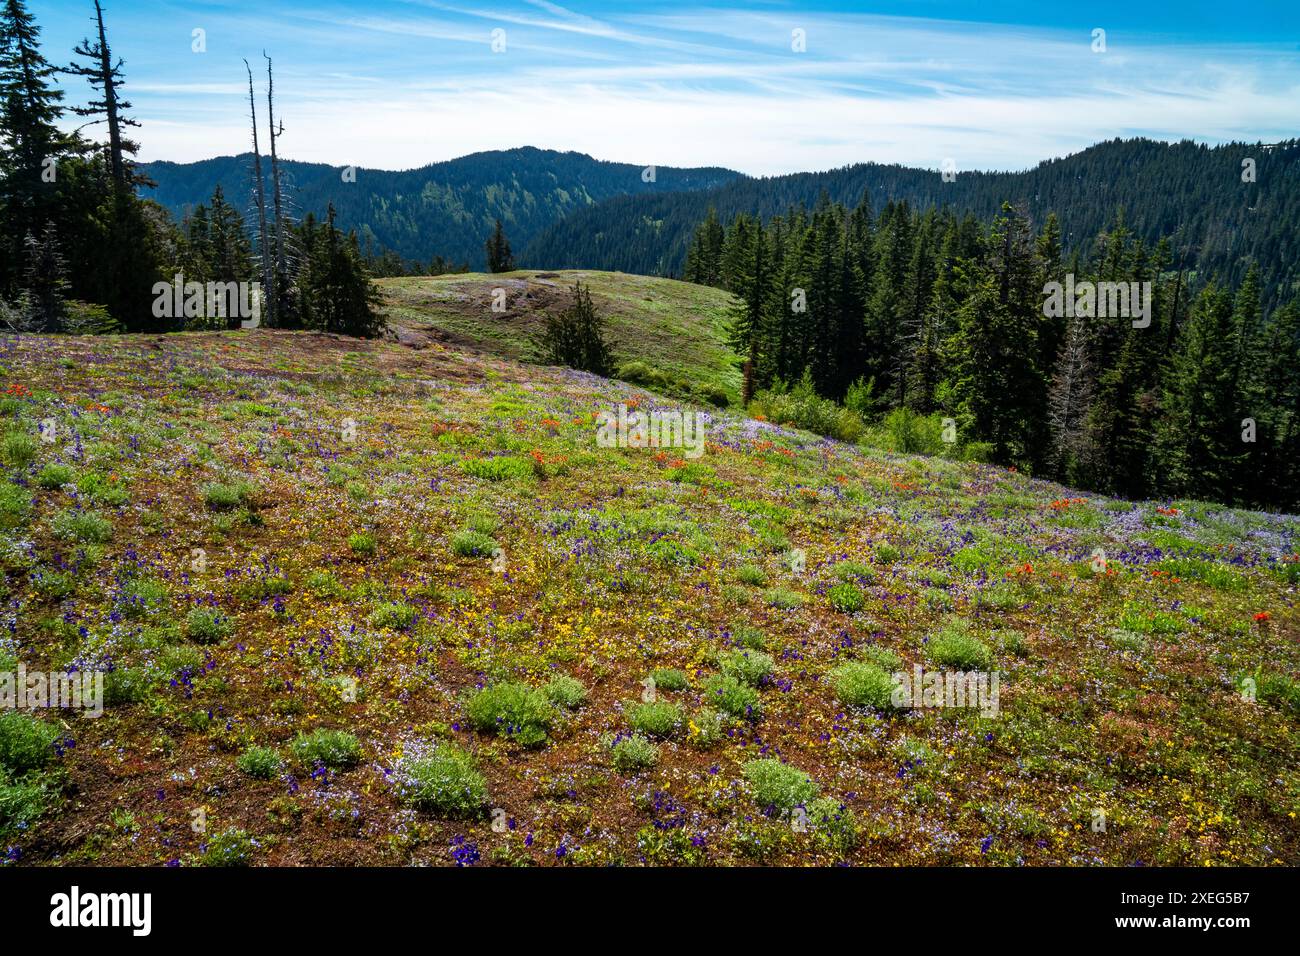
point(850, 571)
point(261, 763)
point(972, 559)
point(497, 469)
point(473, 544)
point(833, 823)
point(1210, 573)
point(15, 505)
point(22, 802)
point(887, 553)
point(125, 685)
point(335, 749)
point(441, 779)
point(53, 585)
point(909, 433)
point(174, 660)
point(751, 667)
point(218, 496)
point(706, 728)
point(263, 586)
point(564, 691)
point(18, 449)
point(752, 575)
point(54, 476)
point(779, 785)
point(26, 742)
point(101, 490)
point(141, 596)
point(847, 597)
point(656, 719)
point(396, 616)
point(955, 647)
point(669, 678)
point(634, 753)
point(207, 625)
point(1289, 572)
point(515, 711)
point(784, 599)
point(862, 684)
point(733, 697)
point(231, 847)
point(749, 636)
point(84, 526)
point(362, 544)
point(802, 407)
point(484, 524)
point(1278, 690)
point(882, 657)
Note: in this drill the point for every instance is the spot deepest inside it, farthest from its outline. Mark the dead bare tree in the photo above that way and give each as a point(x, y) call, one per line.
point(281, 271)
point(1070, 398)
point(263, 245)
point(106, 76)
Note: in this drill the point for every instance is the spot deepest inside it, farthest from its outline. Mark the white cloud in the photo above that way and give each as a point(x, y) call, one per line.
point(870, 88)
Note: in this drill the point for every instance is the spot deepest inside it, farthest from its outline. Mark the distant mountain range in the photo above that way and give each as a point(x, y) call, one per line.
point(1189, 192)
point(446, 209)
point(567, 210)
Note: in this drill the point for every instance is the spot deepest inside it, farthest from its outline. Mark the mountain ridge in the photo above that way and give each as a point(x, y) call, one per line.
point(446, 208)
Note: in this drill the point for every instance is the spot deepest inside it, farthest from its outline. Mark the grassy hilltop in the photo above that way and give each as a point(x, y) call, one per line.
point(676, 329)
point(363, 602)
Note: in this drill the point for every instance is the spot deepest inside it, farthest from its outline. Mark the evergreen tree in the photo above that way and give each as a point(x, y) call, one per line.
point(576, 337)
point(1198, 441)
point(334, 291)
point(105, 76)
point(748, 328)
point(499, 257)
point(32, 148)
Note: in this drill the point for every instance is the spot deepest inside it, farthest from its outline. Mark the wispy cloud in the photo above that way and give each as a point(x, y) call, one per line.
point(401, 83)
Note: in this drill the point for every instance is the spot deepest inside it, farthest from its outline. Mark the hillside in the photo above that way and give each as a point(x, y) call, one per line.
point(1189, 192)
point(369, 603)
point(673, 328)
point(445, 209)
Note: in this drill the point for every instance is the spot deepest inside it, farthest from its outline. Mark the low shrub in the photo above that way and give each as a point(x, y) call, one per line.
point(634, 753)
point(515, 711)
point(779, 785)
point(441, 779)
point(334, 749)
point(260, 763)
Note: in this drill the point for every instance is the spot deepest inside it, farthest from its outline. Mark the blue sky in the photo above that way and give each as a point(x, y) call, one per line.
point(993, 85)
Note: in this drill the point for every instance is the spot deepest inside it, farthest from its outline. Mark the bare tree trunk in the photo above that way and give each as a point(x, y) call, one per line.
point(110, 103)
point(264, 246)
point(280, 270)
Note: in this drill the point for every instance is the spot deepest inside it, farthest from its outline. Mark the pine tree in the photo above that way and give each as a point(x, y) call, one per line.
point(106, 77)
point(704, 255)
point(31, 146)
point(334, 291)
point(748, 328)
point(885, 333)
point(230, 254)
point(499, 257)
point(1198, 442)
point(996, 380)
point(576, 337)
